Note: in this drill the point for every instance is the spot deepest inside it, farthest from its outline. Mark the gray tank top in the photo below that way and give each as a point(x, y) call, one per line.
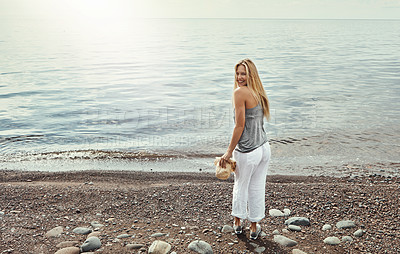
point(253, 135)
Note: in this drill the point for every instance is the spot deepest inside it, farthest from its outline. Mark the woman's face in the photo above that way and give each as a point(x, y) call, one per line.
point(241, 77)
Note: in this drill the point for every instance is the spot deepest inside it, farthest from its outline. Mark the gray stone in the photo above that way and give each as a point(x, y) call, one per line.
point(347, 239)
point(54, 232)
point(259, 249)
point(332, 240)
point(159, 247)
point(286, 212)
point(82, 231)
point(254, 245)
point(298, 221)
point(284, 241)
point(275, 232)
point(294, 228)
point(345, 224)
point(297, 251)
point(227, 229)
point(359, 233)
point(158, 234)
point(96, 224)
point(68, 250)
point(326, 227)
point(123, 236)
point(285, 231)
point(134, 246)
point(200, 247)
point(276, 213)
point(92, 243)
point(1, 213)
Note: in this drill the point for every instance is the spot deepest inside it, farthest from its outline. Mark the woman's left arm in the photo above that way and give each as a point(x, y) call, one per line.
point(240, 109)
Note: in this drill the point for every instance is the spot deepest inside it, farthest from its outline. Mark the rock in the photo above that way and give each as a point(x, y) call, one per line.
point(298, 221)
point(297, 251)
point(285, 231)
point(284, 241)
point(345, 224)
point(227, 229)
point(96, 224)
point(347, 239)
point(359, 233)
point(286, 212)
point(333, 240)
point(1, 213)
point(91, 243)
point(159, 247)
point(254, 245)
point(123, 236)
point(275, 232)
point(54, 232)
point(158, 234)
point(259, 249)
point(97, 234)
point(276, 213)
point(68, 250)
point(326, 227)
point(200, 247)
point(134, 246)
point(67, 244)
point(82, 231)
point(294, 228)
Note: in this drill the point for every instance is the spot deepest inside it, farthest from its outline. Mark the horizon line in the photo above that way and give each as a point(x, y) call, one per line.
point(244, 18)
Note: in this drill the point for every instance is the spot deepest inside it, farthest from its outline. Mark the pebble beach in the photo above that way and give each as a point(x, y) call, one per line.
point(160, 212)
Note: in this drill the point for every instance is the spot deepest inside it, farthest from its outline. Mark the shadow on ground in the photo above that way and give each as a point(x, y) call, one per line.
point(261, 245)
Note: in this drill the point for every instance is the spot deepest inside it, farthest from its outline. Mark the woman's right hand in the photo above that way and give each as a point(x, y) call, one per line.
point(225, 159)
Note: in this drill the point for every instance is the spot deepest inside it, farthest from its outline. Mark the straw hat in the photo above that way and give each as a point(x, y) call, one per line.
point(224, 173)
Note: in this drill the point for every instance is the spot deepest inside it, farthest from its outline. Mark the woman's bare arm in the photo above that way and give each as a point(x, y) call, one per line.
point(240, 108)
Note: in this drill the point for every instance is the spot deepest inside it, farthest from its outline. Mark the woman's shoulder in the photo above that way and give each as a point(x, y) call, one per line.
point(242, 90)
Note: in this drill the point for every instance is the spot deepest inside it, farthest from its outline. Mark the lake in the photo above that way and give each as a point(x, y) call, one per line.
point(143, 88)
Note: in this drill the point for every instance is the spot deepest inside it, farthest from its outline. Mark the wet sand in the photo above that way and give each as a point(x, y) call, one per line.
point(191, 206)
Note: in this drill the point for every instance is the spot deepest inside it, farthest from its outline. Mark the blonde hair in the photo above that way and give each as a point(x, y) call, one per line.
point(254, 84)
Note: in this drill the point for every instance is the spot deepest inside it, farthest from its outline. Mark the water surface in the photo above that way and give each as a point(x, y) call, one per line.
point(164, 85)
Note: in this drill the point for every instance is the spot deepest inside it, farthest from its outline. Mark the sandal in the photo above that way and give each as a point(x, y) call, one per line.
point(238, 229)
point(254, 235)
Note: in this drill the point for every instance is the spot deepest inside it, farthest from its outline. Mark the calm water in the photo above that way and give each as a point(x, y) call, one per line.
point(164, 86)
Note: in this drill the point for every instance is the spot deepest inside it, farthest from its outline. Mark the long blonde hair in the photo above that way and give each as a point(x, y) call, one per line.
point(254, 84)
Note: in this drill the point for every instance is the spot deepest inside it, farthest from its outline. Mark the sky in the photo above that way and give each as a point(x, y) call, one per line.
point(278, 9)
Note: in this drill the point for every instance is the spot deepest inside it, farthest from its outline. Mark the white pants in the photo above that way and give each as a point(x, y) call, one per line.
point(248, 200)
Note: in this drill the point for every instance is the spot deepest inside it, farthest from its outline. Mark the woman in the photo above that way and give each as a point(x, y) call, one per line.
point(250, 148)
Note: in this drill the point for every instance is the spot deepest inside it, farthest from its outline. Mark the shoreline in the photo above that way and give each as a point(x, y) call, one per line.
point(188, 206)
point(278, 166)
